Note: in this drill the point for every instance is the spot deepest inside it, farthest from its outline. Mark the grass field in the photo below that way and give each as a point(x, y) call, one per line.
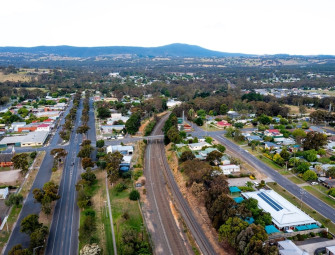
point(126, 214)
point(270, 163)
point(296, 180)
point(15, 77)
point(320, 195)
point(296, 201)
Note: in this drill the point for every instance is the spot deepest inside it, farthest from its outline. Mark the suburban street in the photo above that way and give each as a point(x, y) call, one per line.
point(43, 176)
point(63, 237)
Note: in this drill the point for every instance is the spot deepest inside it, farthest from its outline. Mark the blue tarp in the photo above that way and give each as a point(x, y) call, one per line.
point(234, 189)
point(124, 168)
point(270, 229)
point(307, 227)
point(250, 220)
point(238, 199)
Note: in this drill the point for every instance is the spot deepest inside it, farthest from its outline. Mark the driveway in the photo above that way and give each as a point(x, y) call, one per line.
point(311, 247)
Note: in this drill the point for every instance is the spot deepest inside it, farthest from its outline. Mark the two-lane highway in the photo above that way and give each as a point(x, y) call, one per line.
point(63, 237)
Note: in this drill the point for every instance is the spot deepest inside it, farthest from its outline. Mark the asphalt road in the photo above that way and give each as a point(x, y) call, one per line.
point(63, 237)
point(29, 206)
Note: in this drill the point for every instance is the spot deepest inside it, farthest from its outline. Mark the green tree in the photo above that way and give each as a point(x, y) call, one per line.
point(89, 177)
point(214, 156)
point(100, 143)
point(278, 159)
point(199, 121)
point(113, 161)
point(18, 250)
point(187, 155)
point(103, 112)
point(173, 135)
point(231, 229)
point(134, 195)
point(299, 135)
point(30, 223)
point(285, 154)
point(303, 166)
point(20, 161)
point(310, 175)
point(38, 237)
point(14, 199)
point(223, 109)
point(133, 123)
point(87, 162)
point(221, 148)
point(82, 129)
point(314, 140)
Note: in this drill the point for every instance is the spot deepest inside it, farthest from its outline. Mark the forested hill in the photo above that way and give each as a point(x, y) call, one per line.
point(172, 50)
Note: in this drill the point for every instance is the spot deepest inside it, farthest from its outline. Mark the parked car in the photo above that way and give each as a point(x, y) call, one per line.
point(314, 183)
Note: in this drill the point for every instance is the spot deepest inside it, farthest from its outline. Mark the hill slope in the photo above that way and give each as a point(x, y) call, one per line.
point(172, 50)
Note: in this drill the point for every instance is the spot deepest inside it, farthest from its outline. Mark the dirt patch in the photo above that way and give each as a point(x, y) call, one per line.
point(199, 210)
point(12, 177)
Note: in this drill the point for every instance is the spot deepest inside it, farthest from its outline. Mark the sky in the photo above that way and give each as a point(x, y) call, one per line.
point(241, 26)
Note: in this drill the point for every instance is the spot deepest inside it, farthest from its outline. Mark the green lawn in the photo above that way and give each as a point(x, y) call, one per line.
point(296, 180)
point(285, 172)
point(108, 232)
point(121, 206)
point(320, 195)
point(296, 201)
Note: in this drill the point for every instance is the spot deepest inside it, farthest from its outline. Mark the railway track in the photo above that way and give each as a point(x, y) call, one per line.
point(180, 202)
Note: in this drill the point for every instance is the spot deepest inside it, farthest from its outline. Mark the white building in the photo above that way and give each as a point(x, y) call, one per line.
point(197, 146)
point(4, 193)
point(287, 247)
point(229, 169)
point(31, 139)
point(284, 215)
point(124, 150)
point(17, 125)
point(330, 250)
point(172, 103)
point(43, 127)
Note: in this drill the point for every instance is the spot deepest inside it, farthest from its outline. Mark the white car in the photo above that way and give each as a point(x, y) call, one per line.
point(314, 183)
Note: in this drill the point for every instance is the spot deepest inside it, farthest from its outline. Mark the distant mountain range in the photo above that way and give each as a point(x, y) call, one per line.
point(171, 50)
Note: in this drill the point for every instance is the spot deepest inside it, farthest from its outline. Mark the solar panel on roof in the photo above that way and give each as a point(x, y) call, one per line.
point(272, 203)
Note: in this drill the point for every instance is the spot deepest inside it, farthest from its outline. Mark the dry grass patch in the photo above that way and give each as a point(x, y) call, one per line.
point(14, 77)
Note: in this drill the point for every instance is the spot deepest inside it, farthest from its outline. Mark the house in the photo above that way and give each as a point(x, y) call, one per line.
point(206, 151)
point(17, 125)
point(271, 146)
point(4, 193)
point(187, 127)
point(330, 145)
point(329, 183)
point(251, 138)
point(225, 160)
point(233, 114)
point(172, 103)
point(198, 146)
point(30, 139)
point(285, 215)
point(111, 128)
point(284, 141)
point(124, 150)
point(223, 124)
point(6, 159)
point(43, 127)
point(330, 250)
point(229, 169)
point(272, 133)
point(287, 247)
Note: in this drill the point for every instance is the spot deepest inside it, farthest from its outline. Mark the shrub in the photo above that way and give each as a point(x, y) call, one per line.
point(134, 195)
point(120, 187)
